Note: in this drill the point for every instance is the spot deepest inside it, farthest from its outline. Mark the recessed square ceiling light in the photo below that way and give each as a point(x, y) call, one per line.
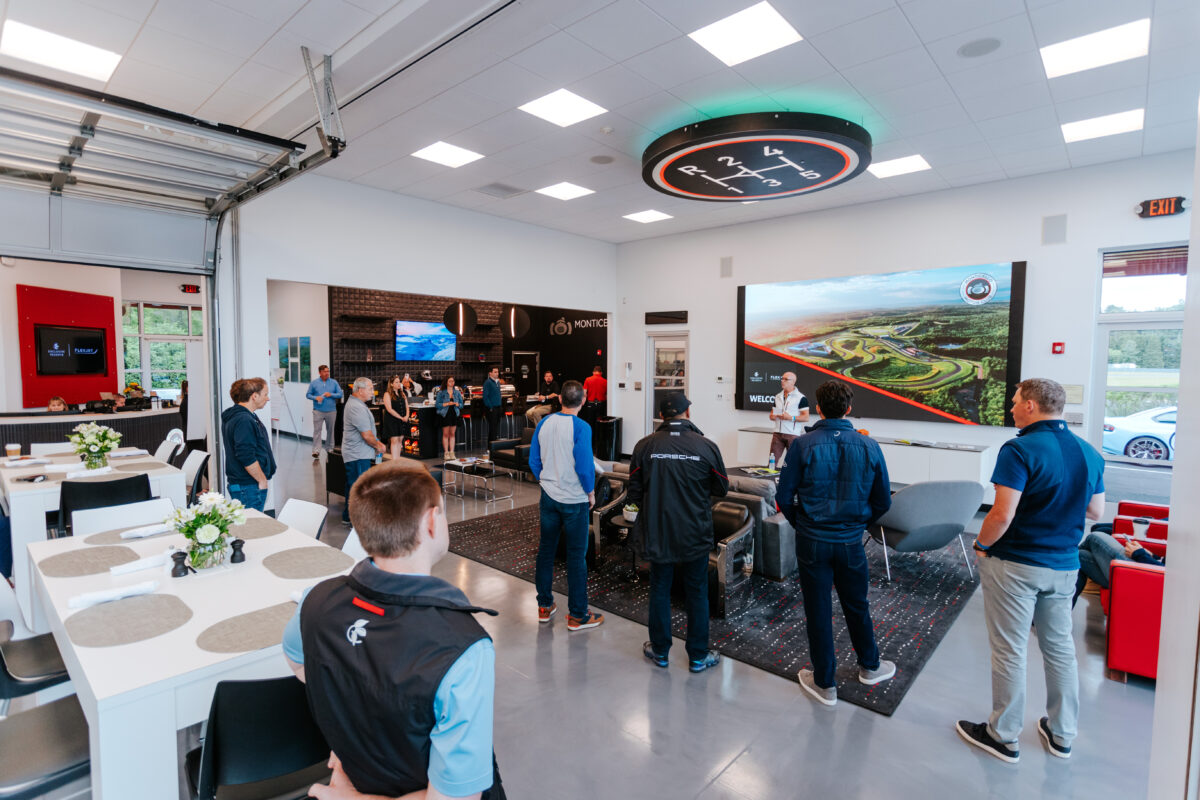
point(563, 108)
point(898, 166)
point(649, 215)
point(1108, 125)
point(51, 50)
point(1098, 49)
point(564, 191)
point(747, 34)
point(447, 154)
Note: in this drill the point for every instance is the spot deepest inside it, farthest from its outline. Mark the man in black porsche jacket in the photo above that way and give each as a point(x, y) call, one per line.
point(673, 476)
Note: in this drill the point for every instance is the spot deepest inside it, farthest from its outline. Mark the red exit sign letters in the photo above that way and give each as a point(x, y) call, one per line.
point(1161, 207)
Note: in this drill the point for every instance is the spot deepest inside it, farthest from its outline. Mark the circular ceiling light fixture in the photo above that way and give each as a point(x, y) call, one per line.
point(979, 47)
point(762, 156)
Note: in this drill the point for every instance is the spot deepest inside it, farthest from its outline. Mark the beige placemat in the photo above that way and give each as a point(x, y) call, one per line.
point(246, 632)
point(90, 561)
point(114, 536)
point(133, 619)
point(107, 476)
point(142, 466)
point(307, 562)
point(257, 528)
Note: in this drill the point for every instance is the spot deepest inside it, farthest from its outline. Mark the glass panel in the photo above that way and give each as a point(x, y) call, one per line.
point(133, 352)
point(1140, 425)
point(197, 321)
point(167, 380)
point(170, 320)
point(129, 318)
point(305, 359)
point(132, 376)
point(1146, 359)
point(168, 356)
point(670, 370)
point(283, 353)
point(1142, 293)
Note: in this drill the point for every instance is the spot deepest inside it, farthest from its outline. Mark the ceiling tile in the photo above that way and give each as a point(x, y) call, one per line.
point(1101, 104)
point(230, 107)
point(677, 61)
point(1108, 148)
point(1015, 37)
point(257, 79)
point(84, 23)
point(943, 157)
point(1177, 28)
point(622, 135)
point(160, 87)
point(1026, 162)
point(613, 87)
point(711, 93)
point(561, 59)
point(1008, 101)
point(691, 15)
point(1003, 73)
point(501, 132)
point(910, 99)
point(948, 137)
point(510, 84)
point(184, 56)
point(1042, 137)
point(811, 18)
point(972, 180)
point(1125, 75)
point(937, 19)
point(828, 91)
point(331, 23)
point(934, 119)
point(660, 113)
point(1166, 64)
point(214, 25)
point(867, 39)
point(623, 29)
point(784, 67)
point(136, 10)
point(274, 11)
point(376, 7)
point(1168, 138)
point(1173, 100)
point(1035, 119)
point(889, 73)
point(981, 166)
point(1068, 19)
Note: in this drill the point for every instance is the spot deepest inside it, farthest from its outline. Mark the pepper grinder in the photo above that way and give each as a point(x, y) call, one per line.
point(180, 570)
point(238, 556)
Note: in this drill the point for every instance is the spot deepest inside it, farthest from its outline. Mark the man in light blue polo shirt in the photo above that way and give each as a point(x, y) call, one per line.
point(324, 394)
point(1047, 481)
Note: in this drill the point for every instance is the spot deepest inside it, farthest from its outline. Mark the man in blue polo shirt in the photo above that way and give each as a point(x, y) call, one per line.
point(1047, 480)
point(324, 393)
point(400, 676)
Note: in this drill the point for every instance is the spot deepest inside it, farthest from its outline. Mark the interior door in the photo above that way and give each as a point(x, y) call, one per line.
point(526, 371)
point(667, 363)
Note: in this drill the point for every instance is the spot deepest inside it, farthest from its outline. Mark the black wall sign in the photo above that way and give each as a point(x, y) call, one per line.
point(1161, 207)
point(761, 156)
point(570, 341)
point(666, 317)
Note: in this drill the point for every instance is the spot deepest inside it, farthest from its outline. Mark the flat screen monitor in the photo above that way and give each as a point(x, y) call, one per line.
point(70, 351)
point(936, 345)
point(424, 341)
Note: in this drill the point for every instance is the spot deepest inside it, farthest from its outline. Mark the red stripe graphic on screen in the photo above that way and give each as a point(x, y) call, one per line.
point(867, 386)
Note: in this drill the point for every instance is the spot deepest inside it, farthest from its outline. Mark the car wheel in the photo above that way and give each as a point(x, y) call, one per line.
point(1146, 447)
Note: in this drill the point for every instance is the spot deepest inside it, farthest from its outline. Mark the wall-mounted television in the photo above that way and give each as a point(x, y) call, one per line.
point(936, 345)
point(424, 341)
point(70, 351)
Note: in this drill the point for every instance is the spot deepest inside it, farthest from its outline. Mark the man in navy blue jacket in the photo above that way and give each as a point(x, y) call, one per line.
point(833, 486)
point(249, 462)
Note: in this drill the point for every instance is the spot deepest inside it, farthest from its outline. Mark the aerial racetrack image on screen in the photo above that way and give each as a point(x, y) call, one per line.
point(935, 344)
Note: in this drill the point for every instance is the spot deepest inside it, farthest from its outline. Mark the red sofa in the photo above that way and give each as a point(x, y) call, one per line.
point(1133, 601)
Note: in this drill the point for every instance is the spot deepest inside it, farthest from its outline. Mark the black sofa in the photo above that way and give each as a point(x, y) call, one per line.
point(512, 453)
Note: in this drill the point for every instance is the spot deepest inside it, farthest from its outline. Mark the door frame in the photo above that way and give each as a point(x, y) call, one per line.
point(650, 412)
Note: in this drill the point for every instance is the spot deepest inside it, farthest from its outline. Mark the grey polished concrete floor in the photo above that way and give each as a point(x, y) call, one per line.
point(583, 715)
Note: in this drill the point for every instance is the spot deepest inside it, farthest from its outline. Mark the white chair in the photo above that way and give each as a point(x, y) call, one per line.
point(9, 610)
point(304, 516)
point(192, 466)
point(167, 450)
point(130, 515)
point(39, 449)
point(352, 547)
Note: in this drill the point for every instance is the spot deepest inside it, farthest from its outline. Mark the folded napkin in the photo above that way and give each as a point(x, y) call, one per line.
point(149, 562)
point(25, 462)
point(64, 468)
point(145, 530)
point(82, 473)
point(129, 453)
point(88, 599)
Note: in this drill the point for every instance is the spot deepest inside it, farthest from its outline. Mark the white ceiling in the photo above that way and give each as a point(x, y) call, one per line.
point(892, 66)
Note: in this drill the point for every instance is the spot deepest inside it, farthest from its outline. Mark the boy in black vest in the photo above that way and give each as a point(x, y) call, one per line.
point(400, 677)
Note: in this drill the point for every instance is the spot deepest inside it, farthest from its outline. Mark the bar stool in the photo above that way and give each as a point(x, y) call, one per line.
point(509, 425)
point(465, 423)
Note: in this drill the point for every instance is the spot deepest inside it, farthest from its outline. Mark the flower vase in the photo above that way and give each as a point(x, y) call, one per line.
point(203, 556)
point(95, 460)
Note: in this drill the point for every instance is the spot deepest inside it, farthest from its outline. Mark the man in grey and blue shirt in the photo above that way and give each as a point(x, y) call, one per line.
point(359, 440)
point(324, 393)
point(561, 459)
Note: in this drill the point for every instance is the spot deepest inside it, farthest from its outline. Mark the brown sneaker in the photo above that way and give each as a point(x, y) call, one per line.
point(591, 620)
point(546, 612)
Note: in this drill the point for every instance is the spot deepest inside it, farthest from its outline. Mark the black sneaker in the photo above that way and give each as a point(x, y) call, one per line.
point(975, 733)
point(710, 659)
point(648, 652)
point(1054, 748)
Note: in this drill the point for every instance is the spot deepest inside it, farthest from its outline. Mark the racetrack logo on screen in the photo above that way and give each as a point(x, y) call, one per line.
point(977, 289)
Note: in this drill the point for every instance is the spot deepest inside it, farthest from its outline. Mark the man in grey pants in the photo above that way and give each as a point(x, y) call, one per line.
point(324, 394)
point(1047, 480)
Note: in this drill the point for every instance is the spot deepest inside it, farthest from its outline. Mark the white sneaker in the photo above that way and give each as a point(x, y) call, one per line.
point(870, 677)
point(809, 684)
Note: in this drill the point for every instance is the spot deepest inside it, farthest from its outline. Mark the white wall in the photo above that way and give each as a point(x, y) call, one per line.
point(160, 287)
point(70, 277)
point(992, 222)
point(324, 231)
point(297, 309)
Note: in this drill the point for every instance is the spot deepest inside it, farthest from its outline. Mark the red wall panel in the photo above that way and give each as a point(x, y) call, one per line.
point(37, 305)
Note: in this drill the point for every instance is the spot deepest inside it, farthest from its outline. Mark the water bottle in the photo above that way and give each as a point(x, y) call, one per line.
point(771, 462)
point(378, 458)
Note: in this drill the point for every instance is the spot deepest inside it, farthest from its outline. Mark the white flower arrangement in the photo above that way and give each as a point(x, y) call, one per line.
point(206, 526)
point(94, 442)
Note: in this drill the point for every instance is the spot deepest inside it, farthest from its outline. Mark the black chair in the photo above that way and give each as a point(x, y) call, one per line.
point(27, 666)
point(732, 559)
point(80, 495)
point(261, 741)
point(42, 749)
point(513, 453)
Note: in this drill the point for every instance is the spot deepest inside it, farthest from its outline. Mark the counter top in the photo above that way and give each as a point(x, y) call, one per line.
point(29, 417)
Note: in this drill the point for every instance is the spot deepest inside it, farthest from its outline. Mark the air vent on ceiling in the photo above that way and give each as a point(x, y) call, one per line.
point(500, 190)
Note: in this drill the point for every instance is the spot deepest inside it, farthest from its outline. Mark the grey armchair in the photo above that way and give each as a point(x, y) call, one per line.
point(928, 516)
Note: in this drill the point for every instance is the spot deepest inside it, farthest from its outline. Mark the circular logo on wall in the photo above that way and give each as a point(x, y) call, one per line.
point(560, 328)
point(977, 289)
point(761, 156)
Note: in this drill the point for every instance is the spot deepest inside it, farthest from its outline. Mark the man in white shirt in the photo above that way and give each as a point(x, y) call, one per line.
point(789, 414)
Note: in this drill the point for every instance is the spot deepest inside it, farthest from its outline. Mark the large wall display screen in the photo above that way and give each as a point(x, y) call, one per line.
point(937, 345)
point(424, 341)
point(69, 351)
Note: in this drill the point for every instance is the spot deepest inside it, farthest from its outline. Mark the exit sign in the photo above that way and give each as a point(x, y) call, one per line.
point(1162, 207)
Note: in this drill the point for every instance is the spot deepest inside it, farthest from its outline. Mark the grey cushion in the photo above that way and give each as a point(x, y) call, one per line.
point(762, 487)
point(928, 516)
point(777, 558)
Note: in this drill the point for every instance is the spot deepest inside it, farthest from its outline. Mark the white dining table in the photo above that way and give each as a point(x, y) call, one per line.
point(27, 503)
point(136, 696)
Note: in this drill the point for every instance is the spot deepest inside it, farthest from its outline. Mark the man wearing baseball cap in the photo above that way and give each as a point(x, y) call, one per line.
point(674, 474)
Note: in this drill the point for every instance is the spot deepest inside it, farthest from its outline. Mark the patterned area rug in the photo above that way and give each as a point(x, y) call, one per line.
point(911, 613)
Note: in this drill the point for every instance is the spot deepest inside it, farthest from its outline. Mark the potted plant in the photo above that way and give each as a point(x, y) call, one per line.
point(630, 512)
point(206, 526)
point(93, 443)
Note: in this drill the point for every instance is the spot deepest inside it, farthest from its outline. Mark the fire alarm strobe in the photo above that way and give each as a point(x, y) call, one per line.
point(761, 156)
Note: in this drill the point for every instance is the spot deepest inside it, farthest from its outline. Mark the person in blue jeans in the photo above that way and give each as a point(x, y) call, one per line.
point(835, 485)
point(561, 460)
point(359, 440)
point(1098, 550)
point(249, 462)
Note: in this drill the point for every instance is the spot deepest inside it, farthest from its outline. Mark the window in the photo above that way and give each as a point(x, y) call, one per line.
point(155, 344)
point(1144, 281)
